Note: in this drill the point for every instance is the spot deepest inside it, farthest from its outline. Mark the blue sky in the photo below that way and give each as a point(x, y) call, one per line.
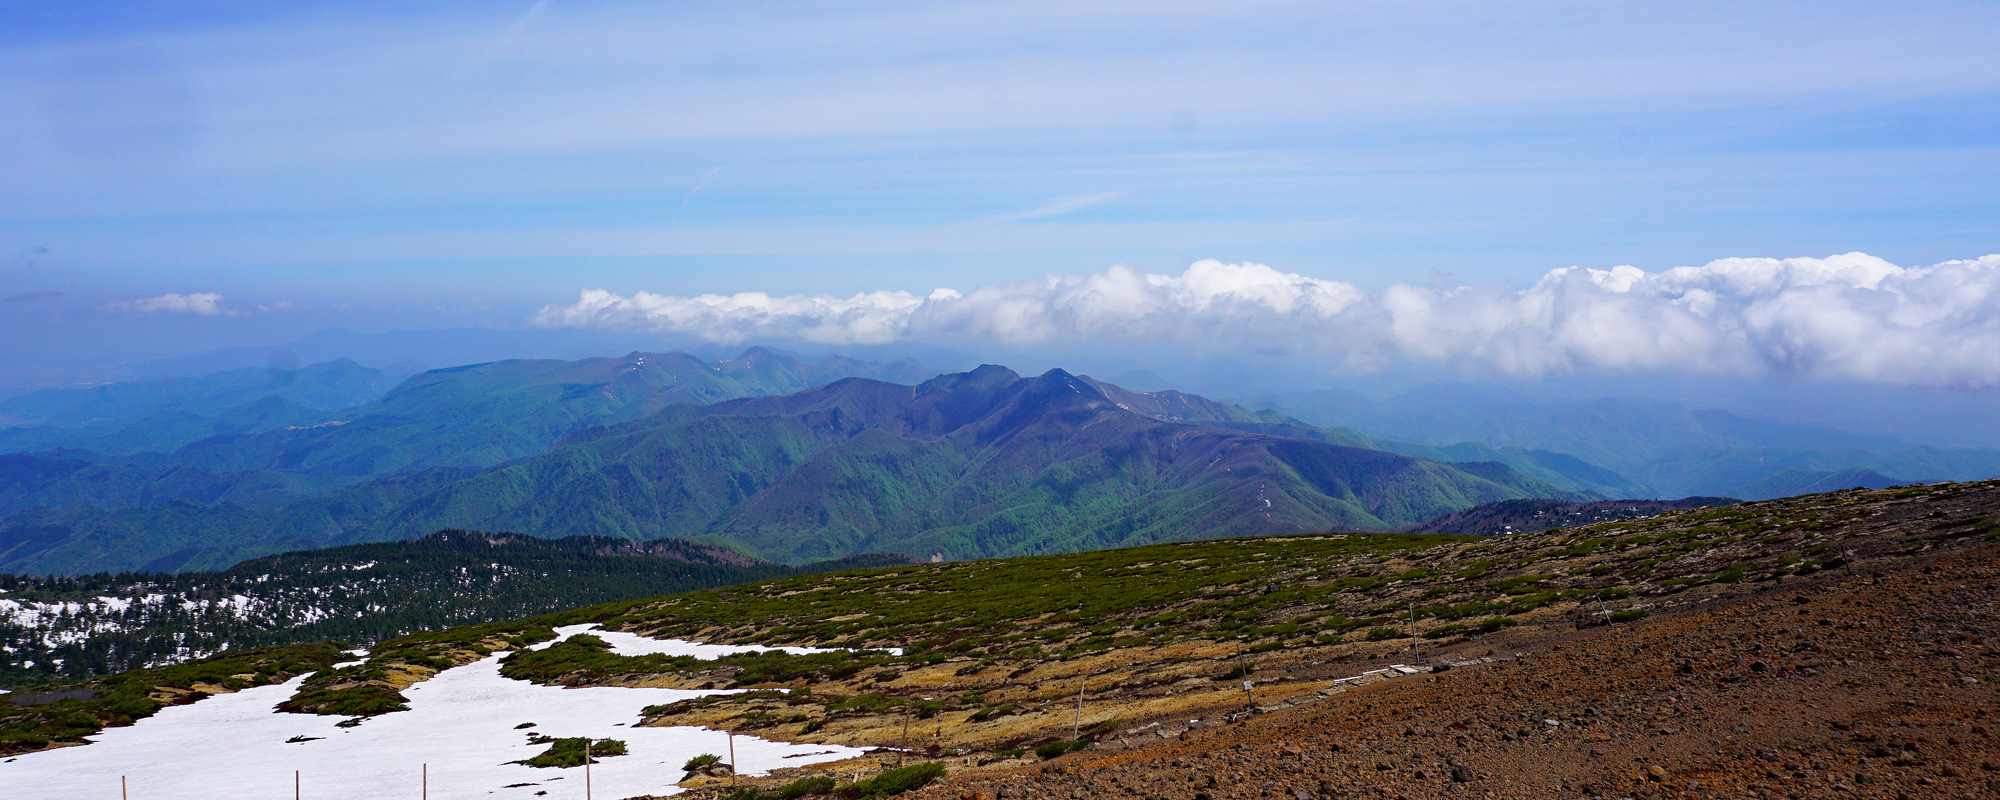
point(365, 166)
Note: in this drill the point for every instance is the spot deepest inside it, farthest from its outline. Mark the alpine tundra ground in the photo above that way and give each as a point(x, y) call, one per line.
point(1783, 646)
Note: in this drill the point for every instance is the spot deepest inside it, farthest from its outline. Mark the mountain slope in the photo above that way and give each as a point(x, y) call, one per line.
point(973, 464)
point(1139, 647)
point(1531, 516)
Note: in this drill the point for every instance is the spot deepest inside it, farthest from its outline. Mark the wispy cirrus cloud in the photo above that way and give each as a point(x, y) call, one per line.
point(200, 304)
point(1060, 206)
point(1850, 316)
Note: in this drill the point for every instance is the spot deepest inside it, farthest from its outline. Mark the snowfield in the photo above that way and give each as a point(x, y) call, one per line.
point(461, 722)
point(632, 644)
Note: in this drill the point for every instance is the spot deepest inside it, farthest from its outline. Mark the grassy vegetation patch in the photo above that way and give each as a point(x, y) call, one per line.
point(570, 751)
point(887, 783)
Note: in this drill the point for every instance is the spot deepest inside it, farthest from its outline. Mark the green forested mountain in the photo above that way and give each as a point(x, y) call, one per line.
point(971, 464)
point(97, 624)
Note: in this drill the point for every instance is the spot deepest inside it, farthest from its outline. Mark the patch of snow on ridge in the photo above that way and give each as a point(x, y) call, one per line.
point(632, 644)
point(460, 722)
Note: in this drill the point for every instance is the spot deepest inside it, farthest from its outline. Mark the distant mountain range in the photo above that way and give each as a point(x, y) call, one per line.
point(798, 458)
point(158, 415)
point(90, 625)
point(969, 464)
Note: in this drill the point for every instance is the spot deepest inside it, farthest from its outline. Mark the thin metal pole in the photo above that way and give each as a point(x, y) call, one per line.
point(1415, 657)
point(123, 792)
point(427, 781)
point(295, 785)
point(1249, 697)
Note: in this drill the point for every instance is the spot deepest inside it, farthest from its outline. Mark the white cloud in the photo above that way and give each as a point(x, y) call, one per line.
point(1852, 316)
point(201, 304)
point(866, 318)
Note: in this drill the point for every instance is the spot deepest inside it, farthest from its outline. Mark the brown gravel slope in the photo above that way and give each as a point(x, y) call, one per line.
point(1881, 682)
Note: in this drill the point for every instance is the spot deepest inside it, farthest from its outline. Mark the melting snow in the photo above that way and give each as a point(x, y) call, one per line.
point(632, 644)
point(460, 722)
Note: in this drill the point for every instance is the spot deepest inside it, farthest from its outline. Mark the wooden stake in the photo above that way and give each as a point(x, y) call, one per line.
point(295, 785)
point(586, 768)
point(427, 781)
point(732, 756)
point(123, 792)
point(1076, 722)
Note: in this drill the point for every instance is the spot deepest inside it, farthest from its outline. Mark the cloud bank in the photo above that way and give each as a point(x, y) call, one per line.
point(200, 304)
point(1850, 316)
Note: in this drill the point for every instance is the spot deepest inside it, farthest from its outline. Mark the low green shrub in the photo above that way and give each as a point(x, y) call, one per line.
point(570, 752)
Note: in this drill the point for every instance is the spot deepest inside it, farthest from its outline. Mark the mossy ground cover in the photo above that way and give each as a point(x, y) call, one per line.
point(1026, 606)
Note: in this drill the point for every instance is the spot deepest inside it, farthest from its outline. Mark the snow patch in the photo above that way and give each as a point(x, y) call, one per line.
point(460, 722)
point(632, 644)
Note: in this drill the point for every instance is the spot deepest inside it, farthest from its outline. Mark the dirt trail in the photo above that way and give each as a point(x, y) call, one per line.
point(1883, 682)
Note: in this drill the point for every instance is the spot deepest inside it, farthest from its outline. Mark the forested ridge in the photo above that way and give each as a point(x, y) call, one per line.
point(87, 625)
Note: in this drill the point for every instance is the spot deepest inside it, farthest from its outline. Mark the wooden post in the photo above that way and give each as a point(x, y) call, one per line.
point(295, 785)
point(586, 768)
point(732, 756)
point(427, 781)
point(1076, 722)
point(124, 793)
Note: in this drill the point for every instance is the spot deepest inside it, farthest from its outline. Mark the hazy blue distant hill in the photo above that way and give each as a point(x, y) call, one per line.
point(278, 447)
point(480, 415)
point(1792, 482)
point(1662, 449)
point(158, 415)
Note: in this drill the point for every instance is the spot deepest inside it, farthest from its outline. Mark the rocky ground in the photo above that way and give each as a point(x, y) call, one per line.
point(1876, 681)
